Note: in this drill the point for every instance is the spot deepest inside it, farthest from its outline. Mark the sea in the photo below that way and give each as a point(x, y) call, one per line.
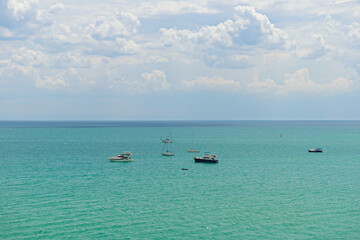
point(56, 181)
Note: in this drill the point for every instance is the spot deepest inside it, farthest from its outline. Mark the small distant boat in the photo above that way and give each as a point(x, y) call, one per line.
point(124, 157)
point(168, 139)
point(184, 169)
point(315, 150)
point(207, 158)
point(193, 151)
point(192, 147)
point(167, 152)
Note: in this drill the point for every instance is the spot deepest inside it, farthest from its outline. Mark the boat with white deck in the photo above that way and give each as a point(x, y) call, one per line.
point(315, 150)
point(123, 157)
point(207, 158)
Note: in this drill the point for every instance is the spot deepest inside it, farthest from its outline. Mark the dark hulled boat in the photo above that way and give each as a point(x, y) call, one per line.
point(315, 150)
point(207, 158)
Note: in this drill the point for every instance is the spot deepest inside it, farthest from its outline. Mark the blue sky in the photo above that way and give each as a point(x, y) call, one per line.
point(179, 60)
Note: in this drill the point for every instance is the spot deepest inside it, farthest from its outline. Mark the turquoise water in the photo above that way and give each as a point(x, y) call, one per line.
point(57, 183)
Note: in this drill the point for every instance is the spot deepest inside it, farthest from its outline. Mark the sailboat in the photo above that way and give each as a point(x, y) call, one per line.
point(167, 153)
point(192, 147)
point(168, 139)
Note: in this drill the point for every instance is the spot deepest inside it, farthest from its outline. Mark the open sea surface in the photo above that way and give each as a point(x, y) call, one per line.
point(56, 181)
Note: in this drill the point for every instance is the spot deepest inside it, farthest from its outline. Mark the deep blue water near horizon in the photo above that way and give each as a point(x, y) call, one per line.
point(56, 181)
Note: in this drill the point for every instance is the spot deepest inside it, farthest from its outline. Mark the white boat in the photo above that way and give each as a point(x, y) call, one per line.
point(168, 139)
point(124, 157)
point(193, 151)
point(192, 147)
point(167, 152)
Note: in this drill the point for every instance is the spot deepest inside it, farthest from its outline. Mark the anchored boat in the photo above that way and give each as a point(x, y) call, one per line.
point(192, 147)
point(124, 157)
point(207, 158)
point(315, 150)
point(168, 139)
point(167, 152)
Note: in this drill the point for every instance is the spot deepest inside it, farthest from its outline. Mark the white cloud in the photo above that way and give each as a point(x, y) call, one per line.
point(113, 26)
point(150, 82)
point(292, 9)
point(54, 9)
point(14, 76)
point(22, 18)
point(22, 9)
point(108, 35)
point(28, 57)
point(312, 49)
point(71, 80)
point(212, 83)
point(259, 27)
point(230, 43)
point(247, 28)
point(121, 38)
point(300, 82)
point(120, 46)
point(153, 7)
point(154, 81)
point(5, 33)
point(158, 59)
point(229, 61)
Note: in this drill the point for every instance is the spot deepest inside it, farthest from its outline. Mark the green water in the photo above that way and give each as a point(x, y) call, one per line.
point(57, 183)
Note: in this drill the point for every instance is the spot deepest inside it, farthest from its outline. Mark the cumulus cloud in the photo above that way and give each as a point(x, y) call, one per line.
point(5, 33)
point(300, 82)
point(312, 49)
point(22, 9)
point(108, 35)
point(153, 7)
point(254, 27)
point(215, 83)
point(247, 28)
point(27, 68)
point(66, 47)
point(228, 61)
point(229, 43)
point(70, 80)
point(150, 82)
point(154, 81)
point(120, 46)
point(21, 17)
point(28, 57)
point(113, 26)
point(54, 9)
point(15, 76)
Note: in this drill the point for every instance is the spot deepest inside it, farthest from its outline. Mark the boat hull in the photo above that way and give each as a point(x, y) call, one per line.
point(193, 151)
point(168, 154)
point(201, 160)
point(121, 160)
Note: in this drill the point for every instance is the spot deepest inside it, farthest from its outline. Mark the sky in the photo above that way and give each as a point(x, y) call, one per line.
point(179, 60)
